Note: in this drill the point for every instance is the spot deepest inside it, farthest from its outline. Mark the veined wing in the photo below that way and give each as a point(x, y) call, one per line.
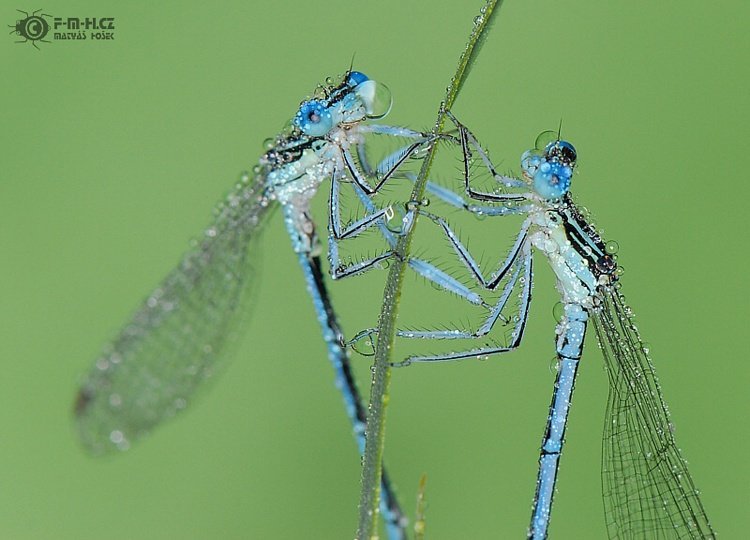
point(648, 491)
point(152, 367)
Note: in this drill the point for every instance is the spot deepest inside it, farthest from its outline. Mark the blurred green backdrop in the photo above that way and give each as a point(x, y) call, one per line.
point(114, 153)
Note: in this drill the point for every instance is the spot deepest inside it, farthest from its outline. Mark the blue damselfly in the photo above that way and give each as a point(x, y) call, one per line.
point(150, 370)
point(647, 488)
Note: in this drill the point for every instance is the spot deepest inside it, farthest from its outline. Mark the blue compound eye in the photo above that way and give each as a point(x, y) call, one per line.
point(552, 179)
point(313, 118)
point(355, 78)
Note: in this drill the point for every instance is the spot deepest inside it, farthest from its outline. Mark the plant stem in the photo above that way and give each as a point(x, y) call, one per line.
point(379, 397)
point(419, 519)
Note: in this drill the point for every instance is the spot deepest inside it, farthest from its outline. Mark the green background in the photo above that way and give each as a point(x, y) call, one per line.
point(112, 155)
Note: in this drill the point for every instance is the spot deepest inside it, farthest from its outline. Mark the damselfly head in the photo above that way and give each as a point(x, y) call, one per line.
point(354, 99)
point(549, 166)
point(345, 104)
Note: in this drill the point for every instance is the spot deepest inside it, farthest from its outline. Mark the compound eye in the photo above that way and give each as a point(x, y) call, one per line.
point(314, 118)
point(356, 78)
point(552, 179)
point(561, 151)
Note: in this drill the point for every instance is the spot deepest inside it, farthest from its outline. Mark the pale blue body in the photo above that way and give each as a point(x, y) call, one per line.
point(150, 370)
point(648, 491)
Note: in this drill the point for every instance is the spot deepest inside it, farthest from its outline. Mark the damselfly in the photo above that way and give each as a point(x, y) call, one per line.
point(648, 491)
point(150, 370)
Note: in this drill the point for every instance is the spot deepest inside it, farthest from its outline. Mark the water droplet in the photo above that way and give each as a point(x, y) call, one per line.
point(558, 311)
point(377, 98)
point(363, 343)
point(268, 143)
point(554, 365)
point(544, 138)
point(612, 247)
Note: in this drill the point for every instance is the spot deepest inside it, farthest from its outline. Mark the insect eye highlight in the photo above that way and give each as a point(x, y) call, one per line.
point(314, 118)
point(356, 78)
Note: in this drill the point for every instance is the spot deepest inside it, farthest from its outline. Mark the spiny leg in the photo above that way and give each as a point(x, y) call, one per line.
point(455, 200)
point(430, 271)
point(489, 323)
point(443, 280)
point(467, 141)
point(489, 283)
point(516, 335)
point(466, 258)
point(375, 215)
point(387, 167)
point(336, 233)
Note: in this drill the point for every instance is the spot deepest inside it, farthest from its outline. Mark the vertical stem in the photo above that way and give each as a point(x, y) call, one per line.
point(375, 433)
point(419, 519)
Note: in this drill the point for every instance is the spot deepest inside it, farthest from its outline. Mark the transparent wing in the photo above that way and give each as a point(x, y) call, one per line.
point(648, 491)
point(152, 367)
